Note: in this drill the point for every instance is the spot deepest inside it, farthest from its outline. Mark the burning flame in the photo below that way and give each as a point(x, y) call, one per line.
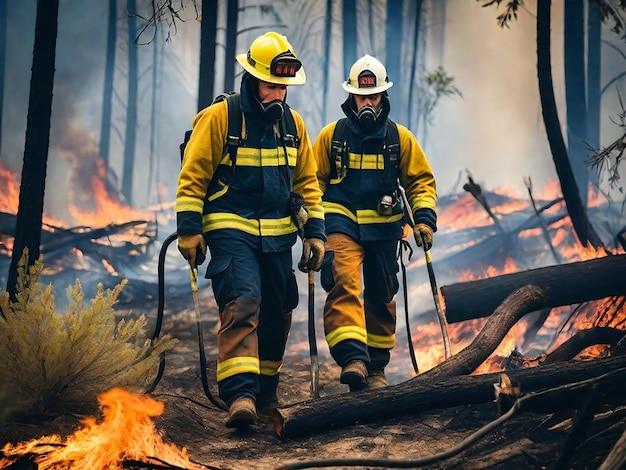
point(9, 196)
point(126, 432)
point(466, 213)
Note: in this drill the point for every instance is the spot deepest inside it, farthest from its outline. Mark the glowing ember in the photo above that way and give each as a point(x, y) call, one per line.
point(126, 432)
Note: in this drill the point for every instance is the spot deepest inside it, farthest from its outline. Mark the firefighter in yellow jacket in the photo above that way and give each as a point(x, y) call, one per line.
point(239, 205)
point(359, 173)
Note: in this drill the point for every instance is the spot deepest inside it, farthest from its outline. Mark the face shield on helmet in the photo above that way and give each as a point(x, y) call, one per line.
point(271, 58)
point(368, 76)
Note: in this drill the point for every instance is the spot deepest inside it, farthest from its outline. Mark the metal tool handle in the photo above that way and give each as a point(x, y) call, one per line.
point(431, 273)
point(315, 368)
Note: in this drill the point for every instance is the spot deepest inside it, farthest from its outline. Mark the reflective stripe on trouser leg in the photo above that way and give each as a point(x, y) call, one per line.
point(380, 278)
point(344, 318)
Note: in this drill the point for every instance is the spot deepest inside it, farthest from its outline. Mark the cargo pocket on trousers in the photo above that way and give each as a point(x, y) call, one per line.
point(292, 296)
point(220, 272)
point(327, 279)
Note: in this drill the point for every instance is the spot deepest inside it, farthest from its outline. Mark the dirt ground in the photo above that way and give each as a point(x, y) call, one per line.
point(191, 421)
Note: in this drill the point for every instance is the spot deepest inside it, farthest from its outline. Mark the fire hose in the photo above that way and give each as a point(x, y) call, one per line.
point(193, 277)
point(431, 274)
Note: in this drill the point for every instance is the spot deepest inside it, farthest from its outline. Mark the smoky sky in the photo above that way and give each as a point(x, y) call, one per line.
point(494, 130)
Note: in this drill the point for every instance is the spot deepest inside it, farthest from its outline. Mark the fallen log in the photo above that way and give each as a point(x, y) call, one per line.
point(564, 284)
point(616, 458)
point(515, 306)
point(417, 395)
point(568, 396)
point(583, 339)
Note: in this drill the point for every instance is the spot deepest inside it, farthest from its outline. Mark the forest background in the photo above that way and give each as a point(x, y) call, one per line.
point(127, 86)
point(494, 130)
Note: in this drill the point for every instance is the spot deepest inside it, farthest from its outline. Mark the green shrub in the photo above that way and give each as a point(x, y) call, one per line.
point(57, 362)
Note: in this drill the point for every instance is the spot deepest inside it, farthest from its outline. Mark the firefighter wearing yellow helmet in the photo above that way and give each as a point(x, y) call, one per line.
point(240, 205)
point(361, 161)
point(271, 58)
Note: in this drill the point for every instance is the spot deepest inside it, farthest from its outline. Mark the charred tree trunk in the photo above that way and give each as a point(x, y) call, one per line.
point(328, 37)
point(417, 395)
point(32, 187)
point(410, 107)
point(109, 71)
point(130, 136)
point(616, 458)
point(571, 194)
point(208, 40)
point(3, 49)
point(514, 307)
point(575, 93)
point(394, 59)
point(565, 284)
point(232, 17)
point(348, 15)
point(582, 340)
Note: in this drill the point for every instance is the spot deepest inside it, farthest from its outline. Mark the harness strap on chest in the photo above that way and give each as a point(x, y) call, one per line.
point(339, 148)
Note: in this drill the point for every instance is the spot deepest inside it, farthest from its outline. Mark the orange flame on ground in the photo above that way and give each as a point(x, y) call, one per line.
point(126, 432)
point(467, 213)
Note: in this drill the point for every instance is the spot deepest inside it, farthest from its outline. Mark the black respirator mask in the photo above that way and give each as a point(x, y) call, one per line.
point(273, 111)
point(367, 117)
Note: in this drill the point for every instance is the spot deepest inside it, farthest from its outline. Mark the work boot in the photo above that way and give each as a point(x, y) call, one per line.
point(266, 410)
point(354, 373)
point(241, 413)
point(376, 379)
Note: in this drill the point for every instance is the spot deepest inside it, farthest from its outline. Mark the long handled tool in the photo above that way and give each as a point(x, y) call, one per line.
point(442, 319)
point(315, 365)
point(431, 274)
point(193, 277)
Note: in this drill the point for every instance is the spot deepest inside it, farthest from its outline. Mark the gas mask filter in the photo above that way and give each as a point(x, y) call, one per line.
point(367, 117)
point(273, 110)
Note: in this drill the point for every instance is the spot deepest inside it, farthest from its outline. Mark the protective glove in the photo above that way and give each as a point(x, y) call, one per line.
point(423, 236)
point(312, 255)
point(193, 248)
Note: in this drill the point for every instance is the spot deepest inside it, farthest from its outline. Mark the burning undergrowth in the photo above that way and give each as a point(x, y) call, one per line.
point(125, 433)
point(472, 243)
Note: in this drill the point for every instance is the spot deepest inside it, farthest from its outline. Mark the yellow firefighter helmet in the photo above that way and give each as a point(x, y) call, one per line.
point(271, 58)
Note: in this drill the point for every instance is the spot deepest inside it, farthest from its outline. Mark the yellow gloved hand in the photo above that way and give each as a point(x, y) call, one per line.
point(423, 236)
point(193, 248)
point(312, 255)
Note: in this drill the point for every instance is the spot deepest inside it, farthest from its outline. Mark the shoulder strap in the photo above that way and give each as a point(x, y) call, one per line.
point(339, 149)
point(291, 132)
point(392, 142)
point(184, 144)
point(233, 139)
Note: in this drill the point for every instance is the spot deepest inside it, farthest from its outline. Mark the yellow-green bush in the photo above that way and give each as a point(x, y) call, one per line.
point(56, 362)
